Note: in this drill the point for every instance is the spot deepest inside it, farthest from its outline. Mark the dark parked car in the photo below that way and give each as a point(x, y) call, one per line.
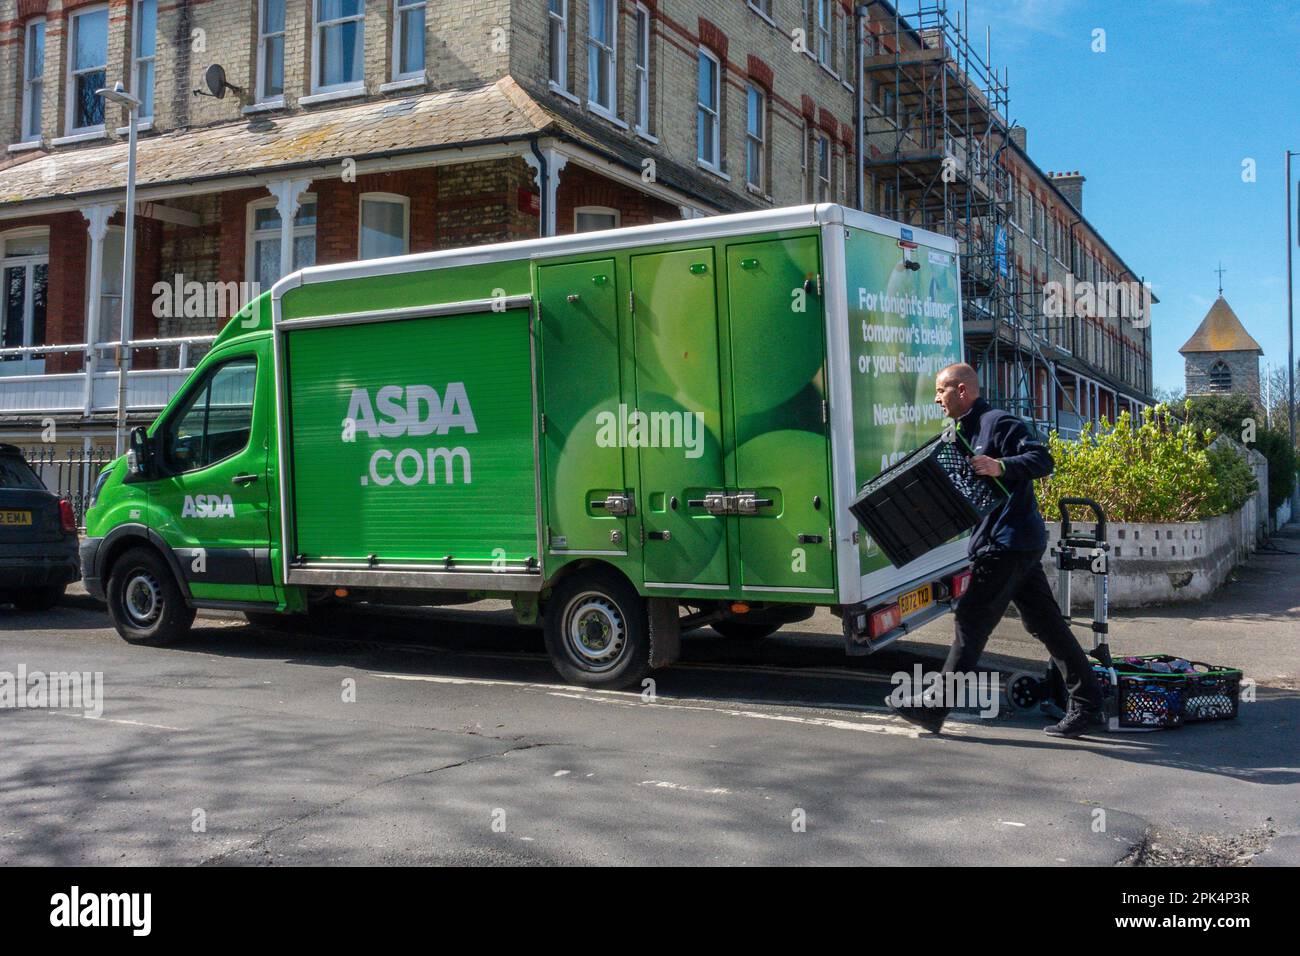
point(38, 537)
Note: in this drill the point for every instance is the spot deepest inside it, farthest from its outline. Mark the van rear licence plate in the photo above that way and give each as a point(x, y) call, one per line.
point(914, 601)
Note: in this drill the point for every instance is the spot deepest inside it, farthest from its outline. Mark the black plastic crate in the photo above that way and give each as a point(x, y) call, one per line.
point(1154, 699)
point(924, 500)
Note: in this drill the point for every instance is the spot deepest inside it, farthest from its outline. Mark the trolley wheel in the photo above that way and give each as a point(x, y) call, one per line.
point(1024, 690)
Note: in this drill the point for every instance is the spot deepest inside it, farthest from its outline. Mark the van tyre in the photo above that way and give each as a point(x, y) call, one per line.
point(744, 631)
point(145, 602)
point(597, 631)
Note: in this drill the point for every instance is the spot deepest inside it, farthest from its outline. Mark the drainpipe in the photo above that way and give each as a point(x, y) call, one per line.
point(543, 182)
point(859, 116)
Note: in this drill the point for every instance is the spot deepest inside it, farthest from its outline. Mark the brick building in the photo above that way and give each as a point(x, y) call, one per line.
point(358, 128)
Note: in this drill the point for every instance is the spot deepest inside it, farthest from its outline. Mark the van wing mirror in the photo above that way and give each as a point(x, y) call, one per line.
point(139, 454)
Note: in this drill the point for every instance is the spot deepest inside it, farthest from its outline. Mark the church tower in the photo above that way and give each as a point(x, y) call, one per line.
point(1221, 357)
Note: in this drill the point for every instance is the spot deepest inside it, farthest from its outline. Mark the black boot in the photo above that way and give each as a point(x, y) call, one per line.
point(914, 711)
point(1075, 723)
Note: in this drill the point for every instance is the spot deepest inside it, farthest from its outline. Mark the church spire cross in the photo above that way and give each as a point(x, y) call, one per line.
point(1220, 271)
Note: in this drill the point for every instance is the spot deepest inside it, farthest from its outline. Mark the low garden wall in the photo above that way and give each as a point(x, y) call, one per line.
point(1164, 563)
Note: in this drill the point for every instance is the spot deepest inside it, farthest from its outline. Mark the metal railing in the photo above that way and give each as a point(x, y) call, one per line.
point(93, 388)
point(69, 472)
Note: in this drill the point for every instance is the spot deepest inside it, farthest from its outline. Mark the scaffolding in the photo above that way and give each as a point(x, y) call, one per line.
point(935, 128)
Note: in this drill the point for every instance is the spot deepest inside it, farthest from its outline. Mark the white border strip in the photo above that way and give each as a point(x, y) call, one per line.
point(462, 307)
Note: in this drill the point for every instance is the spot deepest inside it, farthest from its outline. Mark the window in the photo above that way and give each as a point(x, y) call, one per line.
point(822, 152)
point(602, 59)
point(708, 104)
point(384, 225)
point(264, 240)
point(142, 39)
point(642, 114)
point(270, 51)
point(887, 99)
point(33, 84)
point(558, 17)
point(337, 45)
point(1220, 377)
point(215, 421)
point(755, 139)
point(87, 69)
point(762, 6)
point(591, 218)
point(110, 287)
point(824, 32)
point(24, 270)
point(408, 39)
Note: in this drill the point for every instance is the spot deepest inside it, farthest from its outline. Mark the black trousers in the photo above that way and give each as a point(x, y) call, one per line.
point(1000, 578)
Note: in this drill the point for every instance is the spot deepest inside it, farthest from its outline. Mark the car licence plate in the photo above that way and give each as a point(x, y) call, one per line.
point(15, 517)
point(914, 601)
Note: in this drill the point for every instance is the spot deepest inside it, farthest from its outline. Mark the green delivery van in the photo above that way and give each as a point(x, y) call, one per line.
point(628, 434)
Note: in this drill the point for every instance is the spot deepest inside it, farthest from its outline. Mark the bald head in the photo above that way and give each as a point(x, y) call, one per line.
point(956, 388)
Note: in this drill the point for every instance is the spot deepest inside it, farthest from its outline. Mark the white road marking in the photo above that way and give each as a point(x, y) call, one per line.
point(111, 720)
point(887, 725)
point(881, 723)
point(1010, 823)
point(560, 773)
point(669, 785)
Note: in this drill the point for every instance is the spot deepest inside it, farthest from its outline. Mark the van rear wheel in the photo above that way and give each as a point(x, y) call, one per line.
point(597, 631)
point(145, 602)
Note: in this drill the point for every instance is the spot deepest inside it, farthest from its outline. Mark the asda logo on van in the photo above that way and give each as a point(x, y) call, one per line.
point(208, 506)
point(412, 411)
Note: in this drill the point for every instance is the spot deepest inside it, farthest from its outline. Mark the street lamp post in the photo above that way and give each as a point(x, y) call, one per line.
point(120, 96)
point(1291, 347)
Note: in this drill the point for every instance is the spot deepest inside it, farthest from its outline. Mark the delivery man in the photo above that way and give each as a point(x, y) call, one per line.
point(1006, 549)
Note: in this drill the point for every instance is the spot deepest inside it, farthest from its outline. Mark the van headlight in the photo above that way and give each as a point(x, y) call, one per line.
point(99, 484)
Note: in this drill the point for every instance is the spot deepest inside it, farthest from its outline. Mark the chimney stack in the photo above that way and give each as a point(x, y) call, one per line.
point(1071, 186)
point(1018, 134)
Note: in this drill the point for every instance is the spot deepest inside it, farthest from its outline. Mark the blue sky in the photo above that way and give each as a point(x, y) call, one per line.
point(1160, 124)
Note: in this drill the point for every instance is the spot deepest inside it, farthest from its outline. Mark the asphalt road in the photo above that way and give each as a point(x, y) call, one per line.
point(462, 746)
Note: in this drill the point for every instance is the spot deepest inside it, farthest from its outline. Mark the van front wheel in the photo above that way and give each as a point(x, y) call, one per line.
point(145, 602)
point(597, 632)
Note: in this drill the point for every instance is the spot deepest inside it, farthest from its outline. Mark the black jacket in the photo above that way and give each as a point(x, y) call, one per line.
point(1016, 525)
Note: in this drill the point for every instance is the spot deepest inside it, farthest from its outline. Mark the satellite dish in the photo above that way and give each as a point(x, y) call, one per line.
point(215, 80)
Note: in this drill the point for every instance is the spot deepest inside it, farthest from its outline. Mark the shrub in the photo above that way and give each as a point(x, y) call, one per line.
point(1160, 470)
point(1228, 415)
